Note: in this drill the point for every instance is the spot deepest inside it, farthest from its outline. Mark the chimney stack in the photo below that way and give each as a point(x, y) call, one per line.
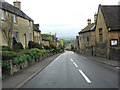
point(89, 21)
point(17, 4)
point(95, 18)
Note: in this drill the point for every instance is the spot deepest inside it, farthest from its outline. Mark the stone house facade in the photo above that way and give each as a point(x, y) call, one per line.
point(102, 38)
point(37, 34)
point(45, 40)
point(15, 23)
point(108, 32)
point(87, 38)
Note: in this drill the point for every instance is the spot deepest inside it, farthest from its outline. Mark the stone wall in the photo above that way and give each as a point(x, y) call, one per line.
point(16, 68)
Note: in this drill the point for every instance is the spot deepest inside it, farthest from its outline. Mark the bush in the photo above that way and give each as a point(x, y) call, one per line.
point(17, 45)
point(15, 61)
point(53, 45)
point(32, 44)
point(58, 49)
point(5, 64)
point(6, 48)
point(35, 53)
point(22, 58)
point(8, 55)
point(46, 47)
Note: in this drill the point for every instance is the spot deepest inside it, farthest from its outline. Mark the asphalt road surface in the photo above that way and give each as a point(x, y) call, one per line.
point(70, 70)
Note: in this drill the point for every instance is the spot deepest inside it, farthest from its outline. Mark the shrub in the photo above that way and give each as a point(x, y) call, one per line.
point(53, 45)
point(15, 61)
point(58, 49)
point(22, 58)
point(6, 48)
point(35, 53)
point(17, 45)
point(32, 44)
point(8, 55)
point(46, 47)
point(5, 64)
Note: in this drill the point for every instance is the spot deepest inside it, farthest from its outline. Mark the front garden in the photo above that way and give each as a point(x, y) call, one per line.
point(17, 58)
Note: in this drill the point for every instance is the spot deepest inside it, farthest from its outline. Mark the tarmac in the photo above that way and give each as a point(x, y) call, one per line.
point(20, 78)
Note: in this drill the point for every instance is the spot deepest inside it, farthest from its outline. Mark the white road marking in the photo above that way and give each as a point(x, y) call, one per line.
point(75, 64)
point(71, 60)
point(84, 57)
point(58, 57)
point(118, 67)
point(85, 77)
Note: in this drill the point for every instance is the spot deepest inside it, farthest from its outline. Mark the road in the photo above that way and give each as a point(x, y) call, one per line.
point(70, 70)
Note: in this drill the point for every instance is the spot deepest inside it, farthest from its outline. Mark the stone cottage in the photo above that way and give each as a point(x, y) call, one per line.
point(108, 31)
point(15, 23)
point(87, 37)
point(37, 34)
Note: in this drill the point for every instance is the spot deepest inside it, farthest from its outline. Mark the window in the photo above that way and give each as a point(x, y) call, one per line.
point(3, 15)
point(25, 43)
point(113, 42)
point(28, 23)
point(100, 35)
point(87, 39)
point(16, 36)
point(15, 19)
point(30, 36)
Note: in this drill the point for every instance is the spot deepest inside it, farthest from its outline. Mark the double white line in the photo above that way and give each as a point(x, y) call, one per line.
point(82, 73)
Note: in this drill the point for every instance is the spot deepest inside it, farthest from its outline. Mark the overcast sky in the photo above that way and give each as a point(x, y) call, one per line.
point(64, 17)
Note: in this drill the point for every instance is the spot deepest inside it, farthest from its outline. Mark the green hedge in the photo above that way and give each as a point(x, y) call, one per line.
point(6, 48)
point(8, 55)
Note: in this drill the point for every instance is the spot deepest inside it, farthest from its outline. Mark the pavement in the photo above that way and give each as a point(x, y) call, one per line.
point(114, 63)
point(20, 78)
point(71, 70)
point(68, 70)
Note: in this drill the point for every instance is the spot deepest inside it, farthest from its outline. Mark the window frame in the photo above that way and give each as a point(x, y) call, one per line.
point(111, 42)
point(15, 18)
point(16, 36)
point(100, 34)
point(29, 23)
point(3, 15)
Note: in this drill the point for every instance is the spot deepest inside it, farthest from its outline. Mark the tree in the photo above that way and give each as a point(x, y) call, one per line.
point(7, 28)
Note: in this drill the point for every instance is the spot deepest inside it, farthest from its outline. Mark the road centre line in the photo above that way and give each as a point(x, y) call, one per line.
point(75, 64)
point(71, 60)
point(85, 77)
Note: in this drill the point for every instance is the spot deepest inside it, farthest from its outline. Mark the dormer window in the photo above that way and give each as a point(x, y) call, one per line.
point(15, 19)
point(29, 23)
point(3, 15)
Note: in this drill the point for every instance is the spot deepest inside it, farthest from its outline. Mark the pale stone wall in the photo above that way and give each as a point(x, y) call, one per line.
point(37, 37)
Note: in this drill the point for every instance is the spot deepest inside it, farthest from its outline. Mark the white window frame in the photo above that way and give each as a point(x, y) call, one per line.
point(28, 22)
point(15, 19)
point(3, 15)
point(30, 37)
point(16, 36)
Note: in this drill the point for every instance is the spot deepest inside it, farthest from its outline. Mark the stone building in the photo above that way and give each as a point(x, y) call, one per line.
point(15, 23)
point(37, 34)
point(87, 37)
point(45, 40)
point(108, 31)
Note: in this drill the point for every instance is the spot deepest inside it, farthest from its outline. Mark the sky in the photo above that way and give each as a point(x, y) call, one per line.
point(63, 17)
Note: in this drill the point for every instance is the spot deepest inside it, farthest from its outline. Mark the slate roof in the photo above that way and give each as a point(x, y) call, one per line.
point(10, 8)
point(111, 14)
point(44, 37)
point(36, 28)
point(88, 28)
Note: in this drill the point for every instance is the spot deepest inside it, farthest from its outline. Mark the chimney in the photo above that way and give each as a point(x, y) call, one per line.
point(89, 21)
point(17, 4)
point(95, 18)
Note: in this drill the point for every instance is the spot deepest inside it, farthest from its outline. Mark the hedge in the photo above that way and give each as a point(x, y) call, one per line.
point(8, 55)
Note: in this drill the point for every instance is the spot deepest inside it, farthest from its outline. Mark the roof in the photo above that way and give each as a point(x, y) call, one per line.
point(10, 8)
point(110, 14)
point(36, 28)
point(89, 27)
point(44, 37)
